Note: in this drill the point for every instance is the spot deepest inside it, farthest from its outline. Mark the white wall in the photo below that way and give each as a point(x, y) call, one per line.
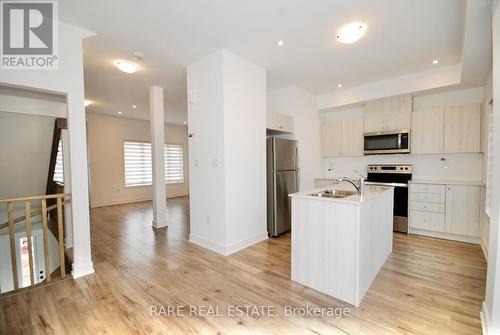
point(206, 123)
point(244, 151)
point(67, 80)
point(227, 152)
point(300, 105)
point(106, 135)
point(26, 147)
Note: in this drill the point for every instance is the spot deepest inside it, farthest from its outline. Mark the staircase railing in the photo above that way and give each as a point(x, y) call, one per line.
point(61, 199)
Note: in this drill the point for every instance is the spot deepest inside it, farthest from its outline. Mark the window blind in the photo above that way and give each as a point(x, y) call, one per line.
point(138, 168)
point(59, 170)
point(174, 163)
point(489, 169)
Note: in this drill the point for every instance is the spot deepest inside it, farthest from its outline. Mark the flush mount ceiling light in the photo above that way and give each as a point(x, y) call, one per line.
point(87, 103)
point(134, 106)
point(119, 113)
point(339, 85)
point(185, 122)
point(127, 66)
point(280, 43)
point(435, 61)
point(351, 32)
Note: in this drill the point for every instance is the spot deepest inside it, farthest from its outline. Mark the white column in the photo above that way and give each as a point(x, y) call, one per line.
point(82, 262)
point(158, 156)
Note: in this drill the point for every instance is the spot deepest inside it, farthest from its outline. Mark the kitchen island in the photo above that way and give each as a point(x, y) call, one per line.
point(340, 242)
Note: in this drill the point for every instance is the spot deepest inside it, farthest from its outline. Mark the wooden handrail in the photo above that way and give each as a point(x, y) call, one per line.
point(44, 211)
point(38, 197)
point(36, 212)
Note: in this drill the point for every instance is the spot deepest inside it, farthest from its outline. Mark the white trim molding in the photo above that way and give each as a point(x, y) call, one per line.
point(227, 250)
point(81, 270)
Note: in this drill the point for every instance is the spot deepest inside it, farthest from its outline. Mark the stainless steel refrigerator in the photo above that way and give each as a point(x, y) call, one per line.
point(282, 180)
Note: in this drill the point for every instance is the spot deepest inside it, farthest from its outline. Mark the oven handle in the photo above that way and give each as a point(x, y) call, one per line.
point(386, 184)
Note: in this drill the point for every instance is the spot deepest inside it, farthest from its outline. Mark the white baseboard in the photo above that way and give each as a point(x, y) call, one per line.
point(227, 250)
point(446, 236)
point(484, 247)
point(484, 319)
point(80, 270)
point(235, 247)
point(131, 201)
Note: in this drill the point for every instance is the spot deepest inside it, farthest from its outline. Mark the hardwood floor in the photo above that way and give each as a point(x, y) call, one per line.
point(427, 286)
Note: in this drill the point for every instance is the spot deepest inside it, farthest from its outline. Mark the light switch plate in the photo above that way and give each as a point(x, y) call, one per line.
point(192, 97)
point(196, 163)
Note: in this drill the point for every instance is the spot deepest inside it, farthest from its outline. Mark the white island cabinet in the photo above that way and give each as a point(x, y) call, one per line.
point(340, 244)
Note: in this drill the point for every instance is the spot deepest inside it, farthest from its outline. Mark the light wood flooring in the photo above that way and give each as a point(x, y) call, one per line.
point(427, 286)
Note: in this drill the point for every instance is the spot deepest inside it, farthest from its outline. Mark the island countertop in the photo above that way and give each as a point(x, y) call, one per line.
point(371, 191)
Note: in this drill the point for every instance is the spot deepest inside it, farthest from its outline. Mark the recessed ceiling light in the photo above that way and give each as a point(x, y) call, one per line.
point(435, 61)
point(351, 32)
point(87, 103)
point(185, 122)
point(134, 106)
point(280, 43)
point(119, 113)
point(127, 66)
point(339, 85)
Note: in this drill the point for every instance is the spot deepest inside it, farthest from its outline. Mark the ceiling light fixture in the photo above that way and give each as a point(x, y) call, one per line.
point(280, 43)
point(87, 103)
point(351, 32)
point(119, 113)
point(127, 66)
point(339, 85)
point(435, 61)
point(134, 106)
point(185, 122)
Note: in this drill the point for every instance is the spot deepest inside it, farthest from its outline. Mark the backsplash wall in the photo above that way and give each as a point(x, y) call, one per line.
point(465, 167)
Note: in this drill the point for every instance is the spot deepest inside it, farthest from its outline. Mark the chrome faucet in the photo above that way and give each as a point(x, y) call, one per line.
point(359, 184)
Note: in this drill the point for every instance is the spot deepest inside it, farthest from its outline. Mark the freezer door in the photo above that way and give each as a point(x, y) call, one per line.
point(285, 152)
point(286, 183)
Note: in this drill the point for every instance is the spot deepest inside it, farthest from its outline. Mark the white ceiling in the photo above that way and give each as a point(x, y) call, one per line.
point(403, 36)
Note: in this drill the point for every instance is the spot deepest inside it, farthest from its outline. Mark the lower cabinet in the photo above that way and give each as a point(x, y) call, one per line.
point(462, 210)
point(445, 211)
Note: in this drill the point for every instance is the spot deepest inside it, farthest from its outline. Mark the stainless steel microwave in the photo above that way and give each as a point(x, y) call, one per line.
point(387, 142)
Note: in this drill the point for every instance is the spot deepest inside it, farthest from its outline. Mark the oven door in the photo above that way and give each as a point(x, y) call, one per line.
point(400, 210)
point(386, 143)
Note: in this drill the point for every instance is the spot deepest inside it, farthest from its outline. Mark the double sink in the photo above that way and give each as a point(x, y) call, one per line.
point(337, 194)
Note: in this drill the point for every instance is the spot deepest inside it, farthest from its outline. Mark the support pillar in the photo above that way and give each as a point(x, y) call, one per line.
point(158, 156)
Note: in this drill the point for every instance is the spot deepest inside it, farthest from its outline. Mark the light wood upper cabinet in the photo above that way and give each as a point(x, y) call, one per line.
point(280, 122)
point(342, 138)
point(462, 128)
point(428, 131)
point(388, 114)
point(462, 210)
point(450, 129)
point(331, 138)
point(352, 137)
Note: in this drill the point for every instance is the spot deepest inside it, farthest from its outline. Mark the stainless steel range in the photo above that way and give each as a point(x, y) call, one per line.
point(398, 177)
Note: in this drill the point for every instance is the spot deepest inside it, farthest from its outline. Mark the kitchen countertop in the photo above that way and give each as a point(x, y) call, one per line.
point(430, 181)
point(447, 182)
point(370, 193)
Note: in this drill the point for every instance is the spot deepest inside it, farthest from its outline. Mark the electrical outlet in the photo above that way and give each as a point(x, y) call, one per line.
point(196, 163)
point(192, 97)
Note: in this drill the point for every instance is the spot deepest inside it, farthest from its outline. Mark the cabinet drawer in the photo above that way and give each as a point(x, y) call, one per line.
point(428, 188)
point(427, 206)
point(427, 220)
point(428, 197)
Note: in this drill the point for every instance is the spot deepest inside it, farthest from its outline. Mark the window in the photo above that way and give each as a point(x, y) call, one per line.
point(489, 171)
point(59, 170)
point(174, 163)
point(138, 168)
